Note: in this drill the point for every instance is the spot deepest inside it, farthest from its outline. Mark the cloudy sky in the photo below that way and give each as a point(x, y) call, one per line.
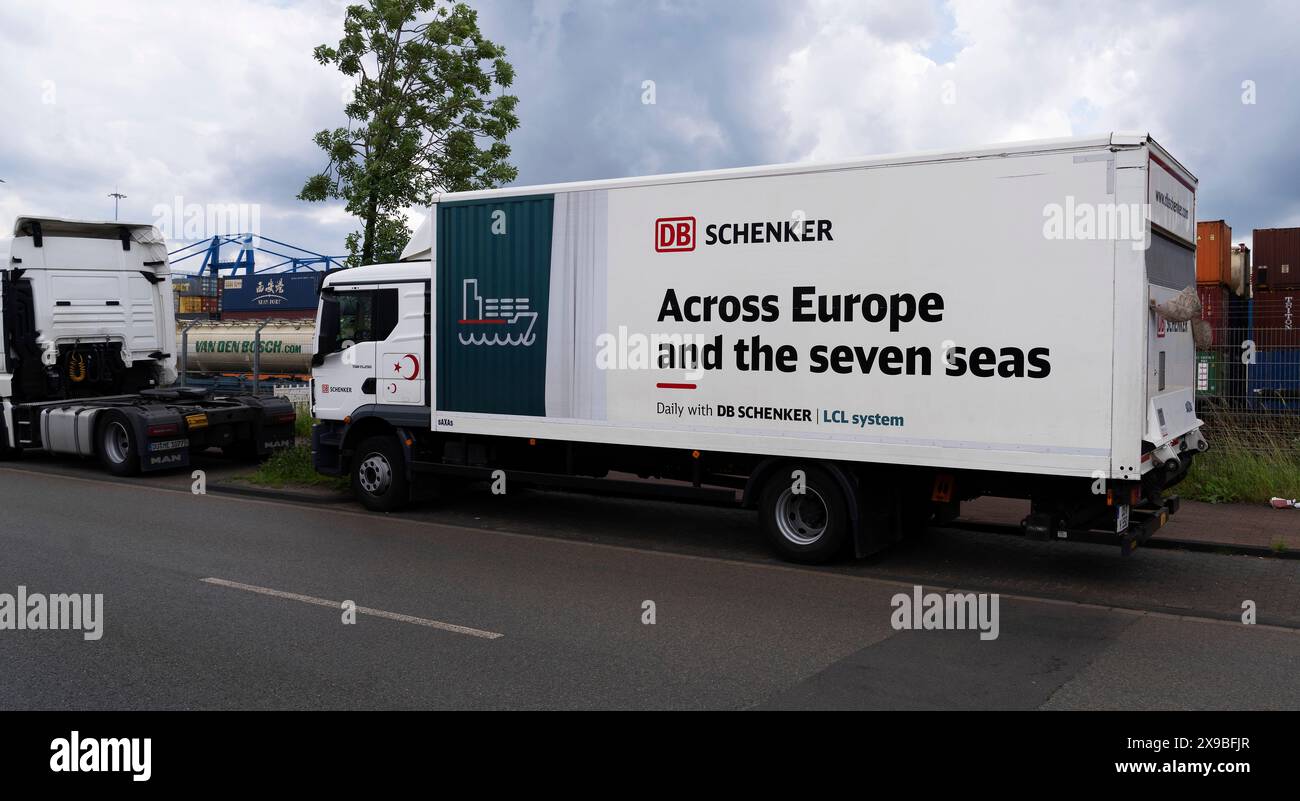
point(215, 103)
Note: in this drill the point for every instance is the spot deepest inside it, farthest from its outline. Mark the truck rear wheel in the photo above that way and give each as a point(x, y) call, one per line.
point(810, 526)
point(379, 474)
point(118, 446)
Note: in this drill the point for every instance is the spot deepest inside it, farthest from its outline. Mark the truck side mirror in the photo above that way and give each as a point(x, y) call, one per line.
point(328, 335)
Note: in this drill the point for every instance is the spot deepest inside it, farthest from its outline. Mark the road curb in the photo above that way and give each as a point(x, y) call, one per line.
point(1220, 547)
point(1157, 542)
point(276, 494)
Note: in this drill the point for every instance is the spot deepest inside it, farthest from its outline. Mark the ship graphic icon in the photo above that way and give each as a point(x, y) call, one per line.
point(495, 321)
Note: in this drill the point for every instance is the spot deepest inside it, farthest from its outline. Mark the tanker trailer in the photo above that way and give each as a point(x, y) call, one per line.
point(225, 347)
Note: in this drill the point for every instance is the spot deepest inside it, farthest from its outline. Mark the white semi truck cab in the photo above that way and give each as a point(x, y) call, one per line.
point(850, 390)
point(87, 365)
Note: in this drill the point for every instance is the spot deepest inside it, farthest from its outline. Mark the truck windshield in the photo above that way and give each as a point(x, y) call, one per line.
point(357, 316)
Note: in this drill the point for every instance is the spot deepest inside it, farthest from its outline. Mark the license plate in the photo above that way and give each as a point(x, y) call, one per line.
point(1121, 518)
point(168, 445)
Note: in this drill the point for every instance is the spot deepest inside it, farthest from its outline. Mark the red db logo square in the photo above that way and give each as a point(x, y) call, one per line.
point(674, 234)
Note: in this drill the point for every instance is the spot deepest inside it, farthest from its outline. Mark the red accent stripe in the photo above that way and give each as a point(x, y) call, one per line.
point(483, 322)
point(1172, 172)
point(664, 385)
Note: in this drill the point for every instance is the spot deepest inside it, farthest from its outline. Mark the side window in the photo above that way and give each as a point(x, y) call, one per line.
point(356, 318)
point(366, 316)
point(385, 313)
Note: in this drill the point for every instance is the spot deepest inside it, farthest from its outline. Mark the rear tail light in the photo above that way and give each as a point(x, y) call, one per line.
point(286, 418)
point(164, 429)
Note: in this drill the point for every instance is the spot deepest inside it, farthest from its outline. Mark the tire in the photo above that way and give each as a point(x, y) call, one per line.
point(379, 474)
point(811, 528)
point(116, 444)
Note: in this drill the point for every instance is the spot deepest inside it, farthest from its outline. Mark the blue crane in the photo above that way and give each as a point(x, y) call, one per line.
point(301, 259)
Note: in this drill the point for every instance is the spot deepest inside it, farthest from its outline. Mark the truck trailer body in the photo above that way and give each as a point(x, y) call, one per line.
point(87, 362)
point(854, 348)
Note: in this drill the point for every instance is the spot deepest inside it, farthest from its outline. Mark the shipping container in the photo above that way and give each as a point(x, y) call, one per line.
point(1277, 257)
point(1273, 381)
point(1213, 253)
point(270, 293)
point(185, 285)
point(190, 304)
point(1274, 317)
point(226, 346)
point(1214, 309)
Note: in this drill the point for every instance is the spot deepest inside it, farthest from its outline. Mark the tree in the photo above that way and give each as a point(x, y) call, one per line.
point(422, 118)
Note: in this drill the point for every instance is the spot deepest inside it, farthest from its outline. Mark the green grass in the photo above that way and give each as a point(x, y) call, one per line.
point(1244, 467)
point(302, 425)
point(292, 468)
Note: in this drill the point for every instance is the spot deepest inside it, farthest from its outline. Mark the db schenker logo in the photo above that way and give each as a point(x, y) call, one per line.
point(674, 234)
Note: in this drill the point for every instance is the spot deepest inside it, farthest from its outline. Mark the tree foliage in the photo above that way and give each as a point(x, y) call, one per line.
point(428, 114)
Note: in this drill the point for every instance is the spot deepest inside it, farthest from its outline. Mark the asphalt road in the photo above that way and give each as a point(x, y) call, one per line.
point(536, 600)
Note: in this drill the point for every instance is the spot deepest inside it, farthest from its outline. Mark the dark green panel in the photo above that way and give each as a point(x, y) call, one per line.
point(491, 351)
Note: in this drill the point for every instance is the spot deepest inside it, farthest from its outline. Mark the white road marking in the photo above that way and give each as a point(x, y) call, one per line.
point(311, 599)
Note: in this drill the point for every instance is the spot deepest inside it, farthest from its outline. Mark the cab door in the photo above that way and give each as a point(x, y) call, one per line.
point(403, 355)
point(363, 317)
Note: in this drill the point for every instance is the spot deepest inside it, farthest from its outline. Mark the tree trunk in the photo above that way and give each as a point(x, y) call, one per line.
point(368, 243)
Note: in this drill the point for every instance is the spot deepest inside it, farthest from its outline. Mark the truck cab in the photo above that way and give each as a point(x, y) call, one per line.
point(87, 310)
point(87, 355)
point(371, 371)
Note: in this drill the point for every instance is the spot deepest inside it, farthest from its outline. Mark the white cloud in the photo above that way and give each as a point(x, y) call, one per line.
point(217, 103)
point(213, 103)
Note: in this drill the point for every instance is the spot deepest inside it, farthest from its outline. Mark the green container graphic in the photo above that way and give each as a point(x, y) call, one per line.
point(493, 286)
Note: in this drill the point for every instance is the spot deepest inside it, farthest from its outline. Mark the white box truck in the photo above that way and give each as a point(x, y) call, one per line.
point(87, 331)
point(851, 348)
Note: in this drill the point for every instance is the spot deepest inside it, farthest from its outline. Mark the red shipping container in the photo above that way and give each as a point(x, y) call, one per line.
point(1276, 254)
point(1213, 253)
point(1214, 309)
point(1277, 318)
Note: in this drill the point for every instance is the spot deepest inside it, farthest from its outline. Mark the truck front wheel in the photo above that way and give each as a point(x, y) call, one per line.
point(118, 445)
point(805, 521)
point(379, 475)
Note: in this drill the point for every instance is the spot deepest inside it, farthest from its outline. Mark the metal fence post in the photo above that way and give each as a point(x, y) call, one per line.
point(257, 358)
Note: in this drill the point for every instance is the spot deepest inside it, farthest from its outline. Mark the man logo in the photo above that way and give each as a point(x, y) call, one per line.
point(674, 234)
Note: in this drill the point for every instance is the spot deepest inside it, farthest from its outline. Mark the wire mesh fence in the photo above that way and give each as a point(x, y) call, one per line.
point(1248, 378)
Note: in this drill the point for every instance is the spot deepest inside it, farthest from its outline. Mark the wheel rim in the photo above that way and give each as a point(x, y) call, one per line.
point(117, 442)
point(375, 474)
point(802, 518)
